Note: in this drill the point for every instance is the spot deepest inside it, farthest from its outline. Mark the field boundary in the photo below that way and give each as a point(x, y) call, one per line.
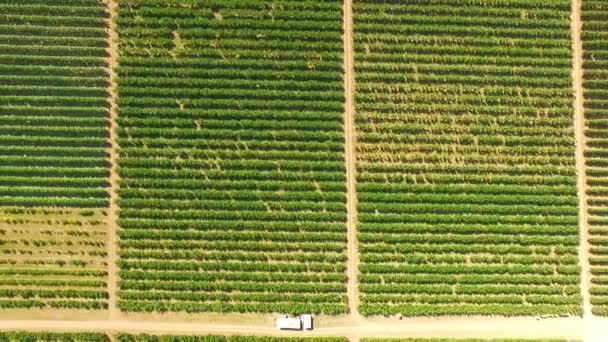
point(112, 217)
point(350, 160)
point(581, 145)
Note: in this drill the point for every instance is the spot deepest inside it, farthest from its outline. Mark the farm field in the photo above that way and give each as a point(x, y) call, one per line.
point(465, 158)
point(53, 128)
point(52, 258)
point(595, 65)
point(53, 105)
point(232, 190)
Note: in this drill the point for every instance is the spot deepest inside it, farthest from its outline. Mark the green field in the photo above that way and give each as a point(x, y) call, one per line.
point(595, 46)
point(231, 157)
point(53, 132)
point(53, 106)
point(465, 158)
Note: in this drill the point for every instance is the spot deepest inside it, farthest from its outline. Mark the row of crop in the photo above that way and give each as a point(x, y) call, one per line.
point(218, 103)
point(489, 179)
point(302, 53)
point(209, 266)
point(57, 304)
point(236, 185)
point(511, 208)
point(54, 201)
point(244, 24)
point(458, 218)
point(211, 255)
point(164, 204)
point(468, 248)
point(71, 294)
point(512, 269)
point(268, 246)
point(53, 20)
point(242, 142)
point(23, 336)
point(468, 229)
point(176, 83)
point(59, 182)
point(422, 259)
point(230, 194)
point(466, 289)
point(233, 43)
point(470, 309)
point(261, 277)
point(496, 140)
point(385, 200)
point(193, 307)
point(225, 74)
point(227, 154)
point(464, 239)
point(232, 215)
point(391, 299)
point(450, 169)
point(236, 175)
point(239, 298)
point(470, 279)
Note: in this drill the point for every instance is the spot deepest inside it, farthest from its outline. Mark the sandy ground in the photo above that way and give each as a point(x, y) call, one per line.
point(579, 127)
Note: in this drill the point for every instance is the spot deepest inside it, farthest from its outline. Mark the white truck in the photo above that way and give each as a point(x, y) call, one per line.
point(295, 323)
point(289, 323)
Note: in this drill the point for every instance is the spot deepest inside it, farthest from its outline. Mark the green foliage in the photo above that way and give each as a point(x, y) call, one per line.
point(467, 201)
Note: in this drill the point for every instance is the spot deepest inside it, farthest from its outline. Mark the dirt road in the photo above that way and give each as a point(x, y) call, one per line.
point(581, 144)
point(112, 216)
point(350, 159)
point(485, 327)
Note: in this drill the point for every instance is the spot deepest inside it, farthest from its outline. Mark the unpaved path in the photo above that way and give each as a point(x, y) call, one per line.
point(473, 327)
point(112, 217)
point(350, 159)
point(579, 128)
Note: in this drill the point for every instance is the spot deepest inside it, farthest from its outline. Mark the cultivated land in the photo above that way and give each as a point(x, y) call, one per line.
point(251, 174)
point(53, 118)
point(465, 158)
point(232, 186)
point(595, 35)
point(52, 258)
point(53, 104)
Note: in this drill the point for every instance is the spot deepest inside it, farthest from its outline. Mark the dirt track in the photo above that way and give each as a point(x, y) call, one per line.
point(350, 159)
point(112, 216)
point(579, 128)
